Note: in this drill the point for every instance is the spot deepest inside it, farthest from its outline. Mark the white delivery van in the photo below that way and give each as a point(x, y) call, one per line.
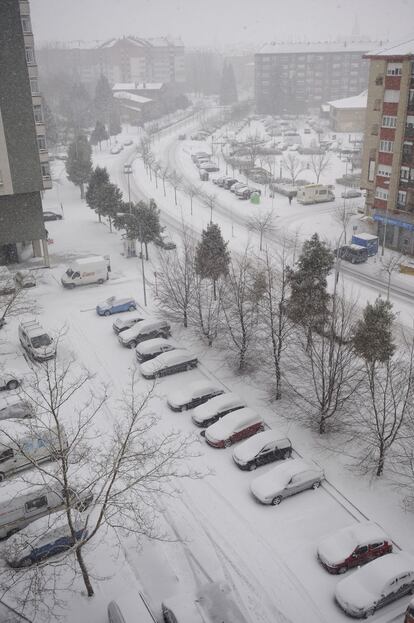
point(24, 446)
point(315, 193)
point(86, 270)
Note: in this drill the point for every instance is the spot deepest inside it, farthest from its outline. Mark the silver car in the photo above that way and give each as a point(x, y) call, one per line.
point(286, 479)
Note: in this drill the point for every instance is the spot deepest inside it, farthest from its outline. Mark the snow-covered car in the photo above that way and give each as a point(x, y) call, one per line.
point(209, 166)
point(246, 192)
point(235, 186)
point(116, 149)
point(128, 142)
point(233, 427)
point(409, 613)
point(115, 305)
point(51, 216)
point(351, 193)
point(145, 330)
point(286, 479)
point(9, 380)
point(126, 322)
point(263, 448)
point(15, 407)
point(201, 161)
point(152, 348)
point(228, 183)
point(377, 584)
point(353, 546)
point(218, 181)
point(216, 408)
point(193, 394)
point(25, 279)
point(38, 344)
point(164, 242)
point(44, 538)
point(199, 154)
point(178, 360)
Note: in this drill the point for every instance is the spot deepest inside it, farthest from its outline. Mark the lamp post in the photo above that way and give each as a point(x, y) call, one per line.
point(142, 268)
point(128, 172)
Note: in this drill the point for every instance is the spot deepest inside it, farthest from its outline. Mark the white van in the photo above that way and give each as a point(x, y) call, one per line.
point(36, 341)
point(23, 446)
point(315, 193)
point(23, 503)
point(86, 270)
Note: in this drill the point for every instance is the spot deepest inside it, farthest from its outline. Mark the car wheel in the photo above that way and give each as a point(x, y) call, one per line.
point(2, 476)
point(352, 261)
point(369, 613)
point(132, 344)
point(100, 281)
point(252, 466)
point(342, 570)
point(131, 308)
point(184, 408)
point(227, 443)
point(188, 366)
point(276, 500)
point(107, 313)
point(316, 484)
point(12, 384)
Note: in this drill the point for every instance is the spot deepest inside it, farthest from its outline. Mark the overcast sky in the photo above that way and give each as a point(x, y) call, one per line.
point(220, 22)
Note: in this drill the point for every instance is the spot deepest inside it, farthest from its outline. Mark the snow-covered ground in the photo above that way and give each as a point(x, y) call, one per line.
point(217, 530)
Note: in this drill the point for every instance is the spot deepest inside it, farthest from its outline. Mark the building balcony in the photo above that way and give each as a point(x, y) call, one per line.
point(409, 132)
point(47, 182)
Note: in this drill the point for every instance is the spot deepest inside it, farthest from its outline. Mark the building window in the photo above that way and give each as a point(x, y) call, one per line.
point(405, 173)
point(38, 113)
point(410, 121)
point(384, 170)
point(381, 193)
point(402, 198)
point(391, 96)
point(45, 169)
point(389, 122)
point(394, 69)
point(26, 25)
point(387, 146)
point(34, 86)
point(377, 104)
point(41, 143)
point(30, 57)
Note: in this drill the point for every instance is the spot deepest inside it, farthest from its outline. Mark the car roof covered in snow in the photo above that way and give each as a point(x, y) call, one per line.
point(338, 546)
point(249, 448)
point(217, 404)
point(150, 346)
point(170, 358)
point(226, 425)
point(278, 477)
point(192, 390)
point(141, 327)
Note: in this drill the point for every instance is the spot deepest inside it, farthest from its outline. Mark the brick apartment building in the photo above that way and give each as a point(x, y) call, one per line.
point(24, 162)
point(388, 155)
point(298, 77)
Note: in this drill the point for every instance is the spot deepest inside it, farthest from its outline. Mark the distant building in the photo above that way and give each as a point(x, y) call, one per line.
point(143, 101)
point(296, 77)
point(24, 162)
point(128, 59)
point(388, 155)
point(348, 114)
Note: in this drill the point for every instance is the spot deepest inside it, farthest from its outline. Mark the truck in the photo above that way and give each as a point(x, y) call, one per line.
point(369, 241)
point(86, 270)
point(315, 193)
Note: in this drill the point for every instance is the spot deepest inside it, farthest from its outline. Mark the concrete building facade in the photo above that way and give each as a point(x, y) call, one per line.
point(388, 155)
point(24, 163)
point(298, 77)
point(348, 114)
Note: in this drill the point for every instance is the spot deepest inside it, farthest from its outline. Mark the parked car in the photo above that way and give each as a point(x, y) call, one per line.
point(235, 186)
point(193, 394)
point(354, 253)
point(145, 330)
point(9, 380)
point(351, 193)
point(216, 408)
point(229, 182)
point(25, 279)
point(201, 161)
point(199, 154)
point(43, 539)
point(152, 348)
point(178, 360)
point(246, 192)
point(353, 546)
point(409, 613)
point(263, 448)
point(164, 242)
point(15, 407)
point(286, 479)
point(377, 584)
point(219, 181)
point(115, 305)
point(209, 166)
point(126, 322)
point(51, 216)
point(116, 149)
point(233, 427)
point(36, 341)
point(128, 142)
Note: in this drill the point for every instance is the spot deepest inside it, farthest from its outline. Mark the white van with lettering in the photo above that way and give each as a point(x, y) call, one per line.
point(87, 270)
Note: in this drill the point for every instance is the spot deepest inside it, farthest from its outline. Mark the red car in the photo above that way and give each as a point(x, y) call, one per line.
point(409, 613)
point(353, 546)
point(233, 427)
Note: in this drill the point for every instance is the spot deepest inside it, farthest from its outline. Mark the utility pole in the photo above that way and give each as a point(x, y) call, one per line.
point(142, 268)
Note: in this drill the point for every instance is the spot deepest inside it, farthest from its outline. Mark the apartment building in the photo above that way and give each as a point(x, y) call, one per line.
point(127, 59)
point(388, 155)
point(298, 77)
point(24, 165)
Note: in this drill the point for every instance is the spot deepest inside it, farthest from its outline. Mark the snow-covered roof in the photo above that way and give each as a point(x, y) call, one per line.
point(249, 448)
point(193, 390)
point(170, 358)
point(315, 47)
point(356, 101)
point(217, 404)
point(401, 48)
point(124, 95)
point(365, 236)
point(335, 548)
point(137, 86)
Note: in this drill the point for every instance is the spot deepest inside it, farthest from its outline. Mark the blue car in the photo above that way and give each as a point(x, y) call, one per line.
point(114, 305)
point(44, 538)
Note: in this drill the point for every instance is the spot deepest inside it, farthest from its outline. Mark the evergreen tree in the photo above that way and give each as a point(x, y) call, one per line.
point(52, 135)
point(79, 162)
point(103, 100)
point(373, 339)
point(98, 178)
point(212, 256)
point(309, 300)
point(109, 201)
point(141, 222)
point(99, 134)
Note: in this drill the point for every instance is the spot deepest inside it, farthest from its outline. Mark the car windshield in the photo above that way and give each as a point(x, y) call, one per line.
point(41, 340)
point(69, 272)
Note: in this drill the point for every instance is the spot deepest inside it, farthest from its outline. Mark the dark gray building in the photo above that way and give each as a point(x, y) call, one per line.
point(24, 163)
point(297, 77)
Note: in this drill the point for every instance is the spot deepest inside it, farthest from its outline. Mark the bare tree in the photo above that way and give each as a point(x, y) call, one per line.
point(319, 163)
point(144, 149)
point(293, 165)
point(209, 201)
point(263, 224)
point(250, 146)
point(389, 265)
point(176, 182)
point(156, 167)
point(15, 303)
point(343, 214)
point(206, 308)
point(164, 175)
point(192, 190)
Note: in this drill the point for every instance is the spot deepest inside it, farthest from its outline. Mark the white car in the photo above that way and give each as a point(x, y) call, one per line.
point(152, 348)
point(233, 427)
point(286, 479)
point(9, 380)
point(193, 394)
point(216, 408)
point(122, 323)
point(377, 584)
point(25, 279)
point(15, 407)
point(263, 448)
point(167, 363)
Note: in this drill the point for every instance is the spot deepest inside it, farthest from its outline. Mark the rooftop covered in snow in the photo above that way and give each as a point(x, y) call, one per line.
point(357, 101)
point(124, 95)
point(137, 86)
point(315, 47)
point(392, 50)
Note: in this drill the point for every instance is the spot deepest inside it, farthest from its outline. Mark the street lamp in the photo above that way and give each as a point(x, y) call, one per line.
point(128, 172)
